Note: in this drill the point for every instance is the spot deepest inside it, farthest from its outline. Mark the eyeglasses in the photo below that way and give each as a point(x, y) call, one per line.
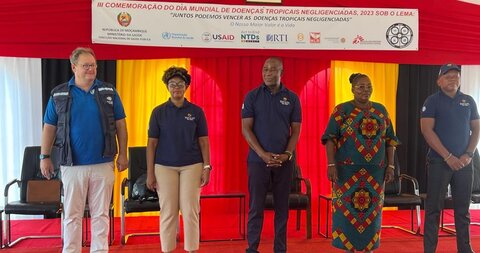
point(179, 85)
point(88, 66)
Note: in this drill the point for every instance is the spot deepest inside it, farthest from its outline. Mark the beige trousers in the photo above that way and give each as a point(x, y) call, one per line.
point(178, 189)
point(96, 181)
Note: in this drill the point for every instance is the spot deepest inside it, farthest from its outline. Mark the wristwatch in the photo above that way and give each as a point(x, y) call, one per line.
point(470, 154)
point(43, 156)
point(207, 167)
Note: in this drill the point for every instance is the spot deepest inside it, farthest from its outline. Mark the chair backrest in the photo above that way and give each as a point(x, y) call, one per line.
point(31, 169)
point(393, 187)
point(137, 165)
point(296, 184)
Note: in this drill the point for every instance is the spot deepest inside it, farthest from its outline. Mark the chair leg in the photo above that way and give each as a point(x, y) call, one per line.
point(419, 220)
point(86, 214)
point(412, 230)
point(8, 235)
point(299, 214)
point(61, 225)
point(309, 222)
point(122, 223)
point(112, 225)
point(443, 225)
point(7, 243)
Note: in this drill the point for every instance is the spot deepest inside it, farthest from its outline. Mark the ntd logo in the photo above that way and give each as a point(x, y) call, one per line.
point(250, 37)
point(276, 38)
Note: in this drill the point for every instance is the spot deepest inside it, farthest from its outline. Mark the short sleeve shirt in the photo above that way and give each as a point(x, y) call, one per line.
point(177, 130)
point(273, 115)
point(452, 120)
point(86, 132)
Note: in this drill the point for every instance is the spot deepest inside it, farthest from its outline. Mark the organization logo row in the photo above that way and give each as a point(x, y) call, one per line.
point(398, 35)
point(250, 37)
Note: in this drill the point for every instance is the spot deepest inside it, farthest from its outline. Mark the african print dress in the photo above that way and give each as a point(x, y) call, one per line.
point(361, 138)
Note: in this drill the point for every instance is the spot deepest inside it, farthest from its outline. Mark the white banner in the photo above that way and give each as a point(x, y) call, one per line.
point(252, 26)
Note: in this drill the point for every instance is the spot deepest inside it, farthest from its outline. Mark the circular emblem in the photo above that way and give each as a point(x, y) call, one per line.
point(124, 19)
point(399, 35)
point(206, 37)
point(300, 37)
point(166, 35)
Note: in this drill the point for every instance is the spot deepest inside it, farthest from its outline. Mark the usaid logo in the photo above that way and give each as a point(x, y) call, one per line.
point(275, 38)
point(223, 37)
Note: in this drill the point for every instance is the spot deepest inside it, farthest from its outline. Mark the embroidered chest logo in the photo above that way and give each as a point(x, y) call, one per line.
point(464, 103)
point(190, 117)
point(284, 101)
point(110, 100)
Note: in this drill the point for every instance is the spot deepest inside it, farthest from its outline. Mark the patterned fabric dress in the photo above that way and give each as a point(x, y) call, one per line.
point(361, 138)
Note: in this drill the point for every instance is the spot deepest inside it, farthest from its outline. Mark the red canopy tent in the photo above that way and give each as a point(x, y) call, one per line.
point(449, 31)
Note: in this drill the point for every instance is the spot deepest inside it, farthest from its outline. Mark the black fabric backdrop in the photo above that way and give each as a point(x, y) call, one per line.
point(415, 84)
point(58, 71)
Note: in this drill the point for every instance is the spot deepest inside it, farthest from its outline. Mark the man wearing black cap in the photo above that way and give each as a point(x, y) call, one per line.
point(450, 125)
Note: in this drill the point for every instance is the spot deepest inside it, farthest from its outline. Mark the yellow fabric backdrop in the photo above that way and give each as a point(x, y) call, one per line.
point(384, 78)
point(140, 86)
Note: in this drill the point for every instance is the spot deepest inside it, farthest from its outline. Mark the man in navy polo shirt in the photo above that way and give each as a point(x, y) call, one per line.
point(271, 122)
point(450, 125)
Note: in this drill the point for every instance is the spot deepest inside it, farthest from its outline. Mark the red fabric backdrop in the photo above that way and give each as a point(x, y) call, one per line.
point(449, 31)
point(220, 89)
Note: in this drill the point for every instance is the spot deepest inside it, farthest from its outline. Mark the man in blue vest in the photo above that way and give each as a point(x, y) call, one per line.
point(450, 124)
point(271, 122)
point(84, 119)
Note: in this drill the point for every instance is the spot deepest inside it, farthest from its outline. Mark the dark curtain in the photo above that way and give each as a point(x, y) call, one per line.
point(57, 71)
point(415, 84)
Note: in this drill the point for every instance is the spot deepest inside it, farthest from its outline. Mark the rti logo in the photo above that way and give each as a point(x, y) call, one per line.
point(276, 38)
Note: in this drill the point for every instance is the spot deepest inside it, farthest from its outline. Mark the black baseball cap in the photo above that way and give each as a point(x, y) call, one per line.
point(447, 67)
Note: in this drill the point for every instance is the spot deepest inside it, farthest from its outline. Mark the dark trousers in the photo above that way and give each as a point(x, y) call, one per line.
point(439, 176)
point(259, 178)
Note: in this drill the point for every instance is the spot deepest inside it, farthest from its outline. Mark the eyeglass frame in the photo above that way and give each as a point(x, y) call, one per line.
point(87, 66)
point(177, 85)
point(362, 87)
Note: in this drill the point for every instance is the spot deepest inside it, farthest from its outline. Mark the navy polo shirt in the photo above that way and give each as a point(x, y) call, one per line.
point(452, 120)
point(177, 130)
point(273, 115)
point(86, 132)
